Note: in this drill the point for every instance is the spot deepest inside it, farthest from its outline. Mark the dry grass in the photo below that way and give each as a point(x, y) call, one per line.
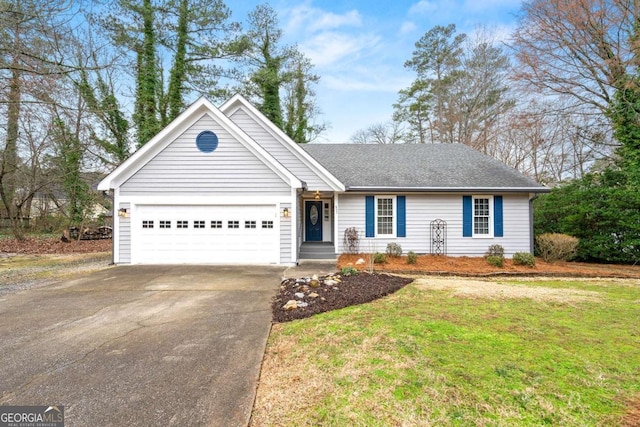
point(28, 270)
point(491, 289)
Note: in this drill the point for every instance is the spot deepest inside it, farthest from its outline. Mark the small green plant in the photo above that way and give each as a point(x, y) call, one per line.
point(379, 258)
point(394, 249)
point(495, 250)
point(524, 258)
point(349, 271)
point(496, 261)
point(412, 257)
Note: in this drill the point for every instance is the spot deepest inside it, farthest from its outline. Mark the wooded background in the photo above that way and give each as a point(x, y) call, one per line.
point(81, 89)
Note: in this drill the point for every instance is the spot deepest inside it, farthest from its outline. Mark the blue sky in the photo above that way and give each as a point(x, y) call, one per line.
point(359, 47)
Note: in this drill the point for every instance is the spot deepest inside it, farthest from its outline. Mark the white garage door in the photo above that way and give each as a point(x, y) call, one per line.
point(205, 234)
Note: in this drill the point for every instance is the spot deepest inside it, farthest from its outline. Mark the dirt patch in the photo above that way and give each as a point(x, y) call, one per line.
point(53, 246)
point(478, 266)
point(21, 272)
point(632, 416)
point(333, 292)
point(489, 289)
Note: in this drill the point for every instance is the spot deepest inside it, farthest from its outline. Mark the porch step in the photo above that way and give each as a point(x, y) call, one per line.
point(319, 250)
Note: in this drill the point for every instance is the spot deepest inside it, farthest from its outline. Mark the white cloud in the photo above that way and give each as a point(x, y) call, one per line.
point(327, 48)
point(329, 21)
point(311, 19)
point(369, 79)
point(407, 27)
point(423, 6)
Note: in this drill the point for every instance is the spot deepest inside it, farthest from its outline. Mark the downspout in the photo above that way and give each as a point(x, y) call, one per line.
point(531, 237)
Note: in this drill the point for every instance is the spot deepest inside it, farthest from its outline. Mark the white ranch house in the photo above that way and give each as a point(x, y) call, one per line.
point(224, 185)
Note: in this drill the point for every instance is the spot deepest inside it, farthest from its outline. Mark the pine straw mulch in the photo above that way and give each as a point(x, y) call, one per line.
point(32, 245)
point(478, 267)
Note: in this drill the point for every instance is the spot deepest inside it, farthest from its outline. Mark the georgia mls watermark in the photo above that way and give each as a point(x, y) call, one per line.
point(31, 416)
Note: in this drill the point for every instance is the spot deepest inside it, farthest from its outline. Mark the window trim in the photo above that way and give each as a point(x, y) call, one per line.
point(394, 216)
point(475, 235)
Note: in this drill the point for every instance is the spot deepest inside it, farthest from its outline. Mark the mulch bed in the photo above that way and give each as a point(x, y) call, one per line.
point(479, 267)
point(349, 290)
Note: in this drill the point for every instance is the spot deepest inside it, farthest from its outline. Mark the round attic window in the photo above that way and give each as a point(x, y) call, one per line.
point(207, 141)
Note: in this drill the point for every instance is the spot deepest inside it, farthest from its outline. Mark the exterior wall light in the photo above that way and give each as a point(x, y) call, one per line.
point(122, 212)
point(285, 212)
point(317, 195)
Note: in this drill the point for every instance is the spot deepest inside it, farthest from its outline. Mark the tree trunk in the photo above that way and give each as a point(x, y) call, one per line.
point(10, 153)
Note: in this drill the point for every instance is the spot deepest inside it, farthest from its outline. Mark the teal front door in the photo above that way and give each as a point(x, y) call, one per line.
point(313, 221)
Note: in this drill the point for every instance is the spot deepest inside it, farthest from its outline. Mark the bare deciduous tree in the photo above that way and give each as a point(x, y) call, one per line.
point(551, 146)
point(379, 133)
point(32, 54)
point(582, 49)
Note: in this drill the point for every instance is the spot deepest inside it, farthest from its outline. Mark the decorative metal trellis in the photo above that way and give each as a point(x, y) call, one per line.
point(438, 237)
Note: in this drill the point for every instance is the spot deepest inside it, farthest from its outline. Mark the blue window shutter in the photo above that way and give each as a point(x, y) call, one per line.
point(497, 216)
point(369, 216)
point(467, 216)
point(402, 215)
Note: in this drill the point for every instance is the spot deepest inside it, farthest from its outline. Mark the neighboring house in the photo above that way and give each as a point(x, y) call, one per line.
point(225, 185)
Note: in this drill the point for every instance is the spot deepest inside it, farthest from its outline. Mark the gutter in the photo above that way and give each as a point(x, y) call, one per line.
point(451, 189)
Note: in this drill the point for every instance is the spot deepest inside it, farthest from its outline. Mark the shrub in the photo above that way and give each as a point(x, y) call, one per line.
point(601, 210)
point(557, 247)
point(496, 261)
point(412, 258)
point(379, 258)
point(495, 250)
point(524, 258)
point(349, 271)
point(351, 240)
point(394, 249)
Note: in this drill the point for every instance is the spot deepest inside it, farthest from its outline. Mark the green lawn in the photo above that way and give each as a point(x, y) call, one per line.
point(525, 353)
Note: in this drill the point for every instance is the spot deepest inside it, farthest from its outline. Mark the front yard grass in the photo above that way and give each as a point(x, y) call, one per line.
point(523, 353)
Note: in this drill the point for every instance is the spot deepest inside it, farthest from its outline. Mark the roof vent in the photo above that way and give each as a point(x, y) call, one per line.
point(207, 141)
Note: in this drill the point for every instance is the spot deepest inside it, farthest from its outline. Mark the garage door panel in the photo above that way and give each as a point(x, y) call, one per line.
point(207, 234)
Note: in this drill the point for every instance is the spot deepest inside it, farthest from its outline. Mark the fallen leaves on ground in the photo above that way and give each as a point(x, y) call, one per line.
point(32, 245)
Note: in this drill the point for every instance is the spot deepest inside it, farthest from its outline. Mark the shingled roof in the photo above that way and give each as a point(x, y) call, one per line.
point(418, 167)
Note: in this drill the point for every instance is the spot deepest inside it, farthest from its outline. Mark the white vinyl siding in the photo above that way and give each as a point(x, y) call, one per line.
point(277, 149)
point(182, 169)
point(285, 236)
point(124, 235)
point(421, 209)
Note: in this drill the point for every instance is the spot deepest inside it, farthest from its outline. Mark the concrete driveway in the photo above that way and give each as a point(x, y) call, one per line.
point(140, 345)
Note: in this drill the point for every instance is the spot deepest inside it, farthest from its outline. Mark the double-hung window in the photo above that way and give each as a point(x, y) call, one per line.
point(385, 216)
point(482, 216)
